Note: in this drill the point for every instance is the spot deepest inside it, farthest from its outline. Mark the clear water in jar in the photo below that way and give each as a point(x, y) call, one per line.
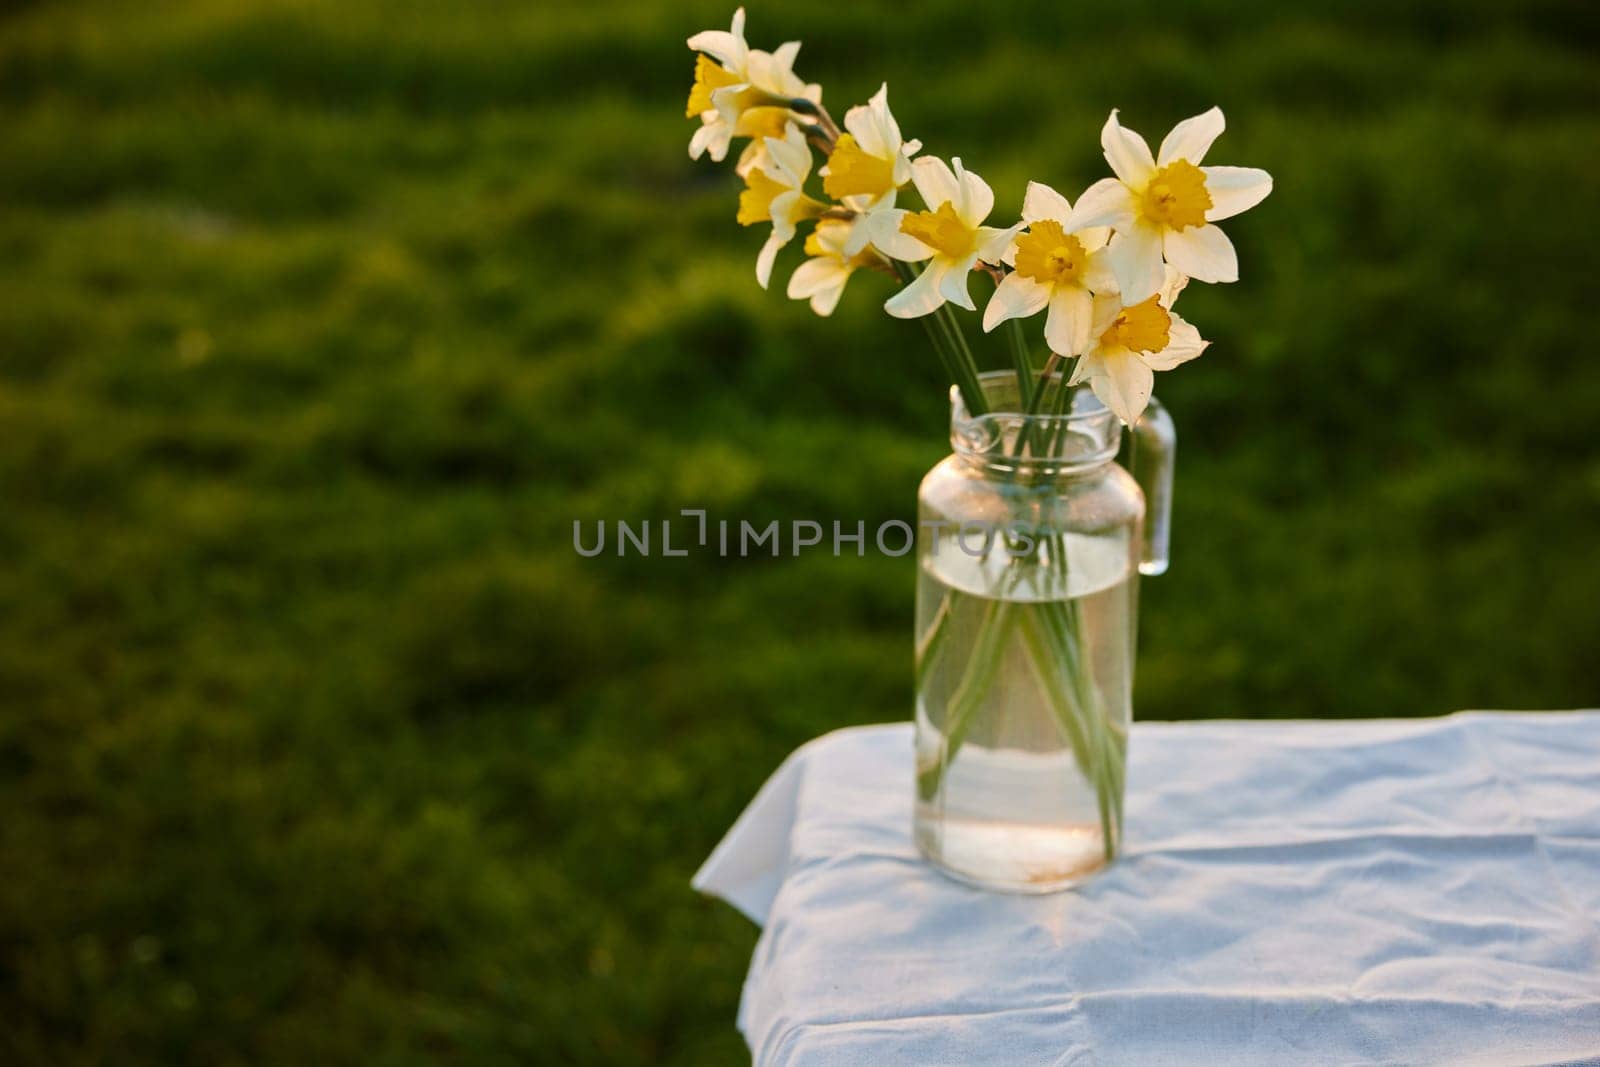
point(1023, 704)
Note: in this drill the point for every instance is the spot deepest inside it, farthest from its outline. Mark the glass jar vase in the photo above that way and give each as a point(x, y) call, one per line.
point(1030, 544)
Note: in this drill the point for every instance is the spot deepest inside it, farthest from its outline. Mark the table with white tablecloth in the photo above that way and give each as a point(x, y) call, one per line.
point(1343, 892)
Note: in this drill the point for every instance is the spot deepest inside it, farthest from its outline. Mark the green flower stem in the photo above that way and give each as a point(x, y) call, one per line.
point(1082, 718)
point(976, 682)
point(1041, 653)
point(932, 643)
point(958, 339)
point(1094, 741)
point(1117, 767)
point(1063, 401)
point(952, 349)
point(1043, 385)
point(811, 110)
point(1111, 755)
point(964, 359)
point(1035, 400)
point(1077, 705)
point(966, 379)
point(1019, 360)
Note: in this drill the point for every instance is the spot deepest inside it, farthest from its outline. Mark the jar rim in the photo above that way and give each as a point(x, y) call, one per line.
point(1084, 437)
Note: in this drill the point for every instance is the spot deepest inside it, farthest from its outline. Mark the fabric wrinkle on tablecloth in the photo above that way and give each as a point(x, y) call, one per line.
point(1367, 891)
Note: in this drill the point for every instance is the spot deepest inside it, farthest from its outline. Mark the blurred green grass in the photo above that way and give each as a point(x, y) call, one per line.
point(319, 324)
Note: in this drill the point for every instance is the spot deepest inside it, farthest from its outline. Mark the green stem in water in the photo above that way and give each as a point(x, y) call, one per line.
point(1098, 747)
point(932, 643)
point(976, 681)
point(1041, 653)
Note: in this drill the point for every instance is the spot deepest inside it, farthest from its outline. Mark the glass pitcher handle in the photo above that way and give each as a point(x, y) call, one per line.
point(1151, 445)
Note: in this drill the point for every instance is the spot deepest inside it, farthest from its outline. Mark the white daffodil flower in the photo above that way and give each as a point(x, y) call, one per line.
point(1129, 343)
point(951, 237)
point(735, 92)
point(821, 279)
point(1052, 268)
point(774, 192)
point(869, 164)
point(1164, 206)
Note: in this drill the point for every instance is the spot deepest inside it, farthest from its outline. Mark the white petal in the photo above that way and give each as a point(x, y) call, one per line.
point(977, 199)
point(726, 102)
point(771, 71)
point(1127, 153)
point(791, 156)
point(823, 301)
point(1171, 286)
point(722, 46)
point(711, 137)
point(834, 236)
point(953, 285)
point(782, 208)
point(1043, 202)
point(884, 226)
point(1235, 189)
point(785, 54)
point(858, 203)
point(754, 154)
point(1123, 384)
point(858, 237)
point(758, 68)
point(993, 241)
point(1093, 238)
point(858, 124)
point(1098, 276)
point(1201, 252)
point(1191, 138)
point(873, 126)
point(1066, 328)
point(920, 297)
point(1107, 306)
point(887, 123)
point(1107, 202)
point(816, 274)
point(1183, 345)
point(764, 261)
point(1086, 366)
point(1135, 257)
point(936, 182)
point(1015, 297)
point(902, 168)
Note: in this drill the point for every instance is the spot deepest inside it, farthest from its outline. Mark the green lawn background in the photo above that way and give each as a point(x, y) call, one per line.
point(319, 325)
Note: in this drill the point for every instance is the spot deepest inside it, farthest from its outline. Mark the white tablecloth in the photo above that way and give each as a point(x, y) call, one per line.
point(1423, 891)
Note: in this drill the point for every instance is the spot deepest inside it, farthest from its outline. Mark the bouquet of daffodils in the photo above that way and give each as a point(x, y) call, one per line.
point(1106, 271)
